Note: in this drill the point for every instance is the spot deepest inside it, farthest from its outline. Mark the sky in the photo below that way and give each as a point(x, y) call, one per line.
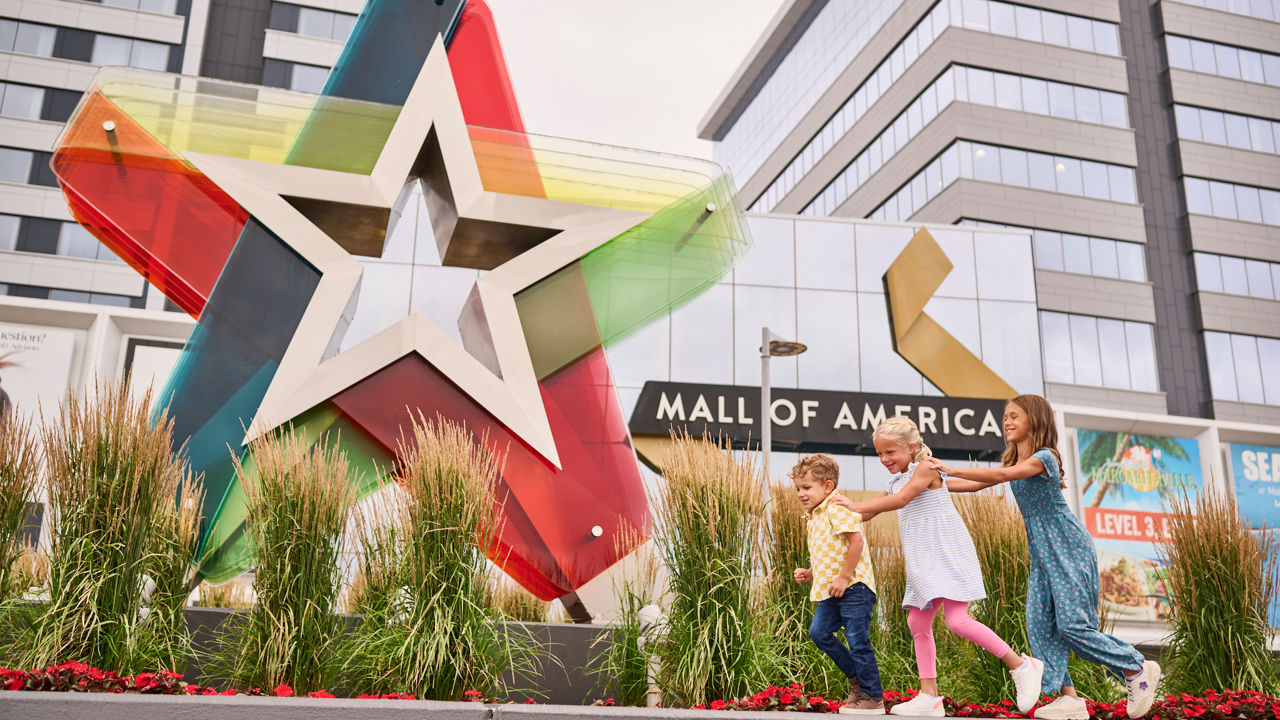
point(636, 73)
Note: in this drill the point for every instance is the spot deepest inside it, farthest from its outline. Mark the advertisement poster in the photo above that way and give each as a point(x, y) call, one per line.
point(1126, 481)
point(35, 368)
point(1255, 474)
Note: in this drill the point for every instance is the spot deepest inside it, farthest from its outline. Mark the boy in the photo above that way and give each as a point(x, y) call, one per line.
point(843, 582)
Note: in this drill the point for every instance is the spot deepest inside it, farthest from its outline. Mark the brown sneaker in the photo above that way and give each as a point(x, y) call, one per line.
point(860, 703)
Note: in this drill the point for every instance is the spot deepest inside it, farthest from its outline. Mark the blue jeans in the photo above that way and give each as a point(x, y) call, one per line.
point(853, 612)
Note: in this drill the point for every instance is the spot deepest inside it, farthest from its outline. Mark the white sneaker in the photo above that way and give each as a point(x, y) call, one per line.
point(1026, 680)
point(921, 705)
point(1142, 689)
point(1064, 708)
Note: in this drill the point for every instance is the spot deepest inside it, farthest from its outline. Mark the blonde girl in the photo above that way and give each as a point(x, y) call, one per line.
point(941, 566)
point(1062, 593)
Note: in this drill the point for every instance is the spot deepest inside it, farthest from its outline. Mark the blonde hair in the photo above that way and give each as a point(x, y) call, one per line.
point(822, 466)
point(904, 432)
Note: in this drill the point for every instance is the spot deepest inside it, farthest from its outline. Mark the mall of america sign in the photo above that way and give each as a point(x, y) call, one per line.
point(819, 420)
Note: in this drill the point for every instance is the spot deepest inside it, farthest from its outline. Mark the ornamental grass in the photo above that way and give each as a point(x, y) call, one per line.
point(622, 656)
point(513, 603)
point(298, 501)
point(709, 511)
point(1220, 590)
point(112, 474)
point(426, 628)
point(19, 464)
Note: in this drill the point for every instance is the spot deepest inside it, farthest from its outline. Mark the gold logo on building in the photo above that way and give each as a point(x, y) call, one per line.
point(911, 280)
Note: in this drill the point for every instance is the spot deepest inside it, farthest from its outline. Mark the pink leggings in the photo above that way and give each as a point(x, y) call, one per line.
point(957, 615)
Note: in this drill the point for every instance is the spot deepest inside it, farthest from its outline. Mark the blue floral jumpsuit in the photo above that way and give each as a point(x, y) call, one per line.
point(1062, 594)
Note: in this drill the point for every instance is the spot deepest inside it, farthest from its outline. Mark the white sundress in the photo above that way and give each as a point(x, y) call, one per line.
point(936, 548)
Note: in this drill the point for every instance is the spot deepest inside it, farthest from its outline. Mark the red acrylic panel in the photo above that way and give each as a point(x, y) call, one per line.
point(546, 543)
point(168, 221)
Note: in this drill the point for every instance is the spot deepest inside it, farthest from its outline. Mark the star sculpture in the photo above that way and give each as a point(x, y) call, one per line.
point(532, 381)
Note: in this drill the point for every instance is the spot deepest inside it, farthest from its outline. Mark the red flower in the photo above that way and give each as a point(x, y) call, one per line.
point(283, 690)
point(716, 705)
point(320, 694)
point(229, 691)
point(1224, 709)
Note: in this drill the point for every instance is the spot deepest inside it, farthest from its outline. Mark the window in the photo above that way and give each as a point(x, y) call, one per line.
point(21, 101)
point(1264, 9)
point(1243, 368)
point(15, 165)
point(1086, 350)
point(1066, 252)
point(1224, 128)
point(1232, 201)
point(981, 15)
point(168, 7)
point(1223, 60)
point(1237, 276)
point(113, 50)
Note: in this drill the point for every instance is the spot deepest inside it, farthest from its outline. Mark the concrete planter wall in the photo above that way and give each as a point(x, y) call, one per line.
point(564, 676)
point(58, 706)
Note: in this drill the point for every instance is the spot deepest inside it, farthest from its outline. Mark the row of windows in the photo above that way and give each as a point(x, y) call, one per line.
point(168, 7)
point(1036, 25)
point(100, 49)
point(26, 166)
point(1087, 350)
point(1230, 129)
point(1003, 91)
point(837, 34)
point(1068, 252)
point(294, 76)
point(1265, 9)
point(44, 293)
point(37, 103)
point(1224, 60)
point(980, 87)
point(1237, 276)
point(53, 237)
point(1007, 166)
point(1232, 201)
point(311, 22)
point(1243, 368)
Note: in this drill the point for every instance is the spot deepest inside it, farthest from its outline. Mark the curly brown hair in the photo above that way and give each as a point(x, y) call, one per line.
point(821, 466)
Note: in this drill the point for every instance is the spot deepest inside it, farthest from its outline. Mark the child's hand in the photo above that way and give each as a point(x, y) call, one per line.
point(803, 575)
point(937, 465)
point(837, 586)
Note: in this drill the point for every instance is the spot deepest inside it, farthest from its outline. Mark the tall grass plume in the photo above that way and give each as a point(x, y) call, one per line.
point(112, 473)
point(1220, 591)
point(709, 511)
point(19, 467)
point(426, 627)
point(298, 500)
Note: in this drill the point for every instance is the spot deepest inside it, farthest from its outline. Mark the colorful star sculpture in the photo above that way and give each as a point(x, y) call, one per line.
point(245, 206)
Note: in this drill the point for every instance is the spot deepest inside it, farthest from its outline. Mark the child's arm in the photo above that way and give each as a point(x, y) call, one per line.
point(923, 477)
point(848, 504)
point(803, 575)
point(986, 477)
point(851, 557)
point(960, 485)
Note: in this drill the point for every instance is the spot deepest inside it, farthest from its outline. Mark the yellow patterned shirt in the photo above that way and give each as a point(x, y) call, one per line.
point(825, 529)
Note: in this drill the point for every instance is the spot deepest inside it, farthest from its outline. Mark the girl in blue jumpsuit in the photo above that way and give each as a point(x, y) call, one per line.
point(1062, 594)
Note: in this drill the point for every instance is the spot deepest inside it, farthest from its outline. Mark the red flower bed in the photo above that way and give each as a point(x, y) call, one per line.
point(1210, 705)
point(79, 677)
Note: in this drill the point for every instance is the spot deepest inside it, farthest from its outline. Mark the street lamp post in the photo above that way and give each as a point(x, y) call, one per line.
point(770, 346)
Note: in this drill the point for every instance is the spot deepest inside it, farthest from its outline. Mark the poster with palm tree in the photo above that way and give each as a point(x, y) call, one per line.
point(1125, 480)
